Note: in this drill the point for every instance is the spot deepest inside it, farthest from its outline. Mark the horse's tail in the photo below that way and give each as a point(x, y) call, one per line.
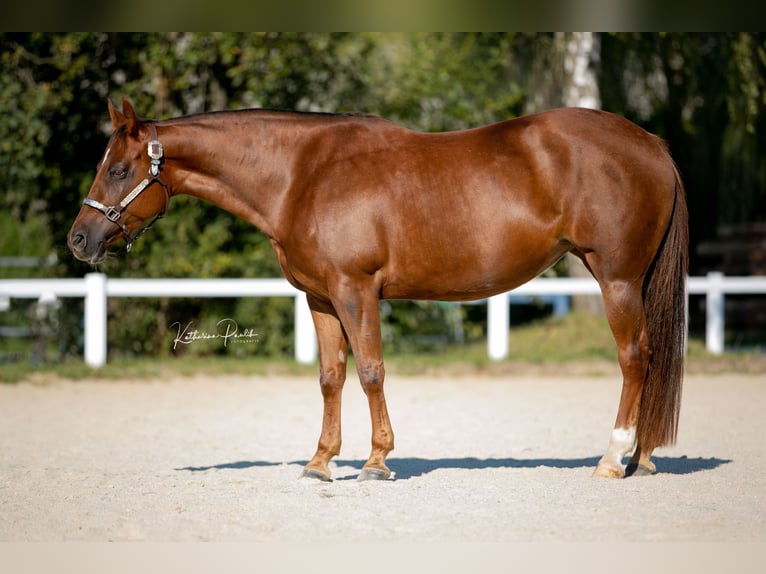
point(665, 307)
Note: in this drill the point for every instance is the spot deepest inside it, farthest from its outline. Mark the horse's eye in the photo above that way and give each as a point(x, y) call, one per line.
point(118, 172)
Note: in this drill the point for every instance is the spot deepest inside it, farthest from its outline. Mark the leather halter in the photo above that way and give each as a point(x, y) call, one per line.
point(113, 212)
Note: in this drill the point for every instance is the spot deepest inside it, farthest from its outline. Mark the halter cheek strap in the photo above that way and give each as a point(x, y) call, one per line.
point(114, 212)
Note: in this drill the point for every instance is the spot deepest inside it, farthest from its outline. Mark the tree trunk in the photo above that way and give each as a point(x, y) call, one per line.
point(581, 53)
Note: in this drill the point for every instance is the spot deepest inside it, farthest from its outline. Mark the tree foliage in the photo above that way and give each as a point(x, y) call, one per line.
point(705, 93)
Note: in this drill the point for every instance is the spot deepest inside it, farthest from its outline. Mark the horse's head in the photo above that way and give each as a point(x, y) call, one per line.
point(126, 192)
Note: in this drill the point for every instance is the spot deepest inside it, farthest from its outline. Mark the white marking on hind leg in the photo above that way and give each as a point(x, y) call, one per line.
point(623, 439)
point(621, 443)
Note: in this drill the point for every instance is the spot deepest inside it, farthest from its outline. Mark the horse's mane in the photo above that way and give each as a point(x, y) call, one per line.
point(272, 111)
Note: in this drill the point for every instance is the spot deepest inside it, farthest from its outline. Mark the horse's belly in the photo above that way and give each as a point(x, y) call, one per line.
point(469, 274)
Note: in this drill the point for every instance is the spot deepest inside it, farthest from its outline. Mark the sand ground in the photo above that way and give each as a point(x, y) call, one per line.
point(477, 459)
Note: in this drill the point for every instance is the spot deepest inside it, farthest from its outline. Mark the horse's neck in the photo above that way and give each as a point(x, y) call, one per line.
point(235, 162)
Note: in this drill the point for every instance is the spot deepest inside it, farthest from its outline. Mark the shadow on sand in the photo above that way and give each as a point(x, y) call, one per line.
point(406, 468)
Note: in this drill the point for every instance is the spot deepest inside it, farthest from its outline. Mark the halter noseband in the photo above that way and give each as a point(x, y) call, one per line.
point(113, 212)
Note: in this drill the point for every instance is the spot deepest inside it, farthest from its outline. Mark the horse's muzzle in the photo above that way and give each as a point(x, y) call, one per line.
point(86, 248)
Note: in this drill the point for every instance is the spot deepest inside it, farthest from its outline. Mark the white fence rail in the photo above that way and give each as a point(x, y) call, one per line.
point(96, 288)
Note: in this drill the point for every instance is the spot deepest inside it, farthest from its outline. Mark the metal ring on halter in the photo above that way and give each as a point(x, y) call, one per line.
point(114, 212)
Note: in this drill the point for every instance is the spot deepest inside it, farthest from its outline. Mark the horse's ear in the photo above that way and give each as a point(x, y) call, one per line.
point(118, 118)
point(130, 117)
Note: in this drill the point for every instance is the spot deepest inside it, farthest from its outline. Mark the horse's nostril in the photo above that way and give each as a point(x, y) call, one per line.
point(79, 240)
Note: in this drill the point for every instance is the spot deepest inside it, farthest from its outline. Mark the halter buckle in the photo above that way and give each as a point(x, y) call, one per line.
point(112, 214)
point(155, 151)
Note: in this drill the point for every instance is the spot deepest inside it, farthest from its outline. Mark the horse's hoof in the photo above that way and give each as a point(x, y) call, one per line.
point(374, 474)
point(634, 469)
point(315, 474)
point(604, 471)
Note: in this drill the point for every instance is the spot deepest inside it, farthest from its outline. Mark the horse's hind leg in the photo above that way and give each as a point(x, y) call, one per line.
point(640, 463)
point(623, 302)
point(333, 350)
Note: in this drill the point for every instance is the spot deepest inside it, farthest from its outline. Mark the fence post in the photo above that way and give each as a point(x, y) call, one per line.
point(714, 313)
point(498, 316)
point(305, 336)
point(95, 319)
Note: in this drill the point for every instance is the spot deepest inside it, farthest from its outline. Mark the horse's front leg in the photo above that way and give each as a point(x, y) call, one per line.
point(333, 349)
point(360, 316)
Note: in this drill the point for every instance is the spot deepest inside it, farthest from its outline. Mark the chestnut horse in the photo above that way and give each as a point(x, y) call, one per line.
point(359, 209)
